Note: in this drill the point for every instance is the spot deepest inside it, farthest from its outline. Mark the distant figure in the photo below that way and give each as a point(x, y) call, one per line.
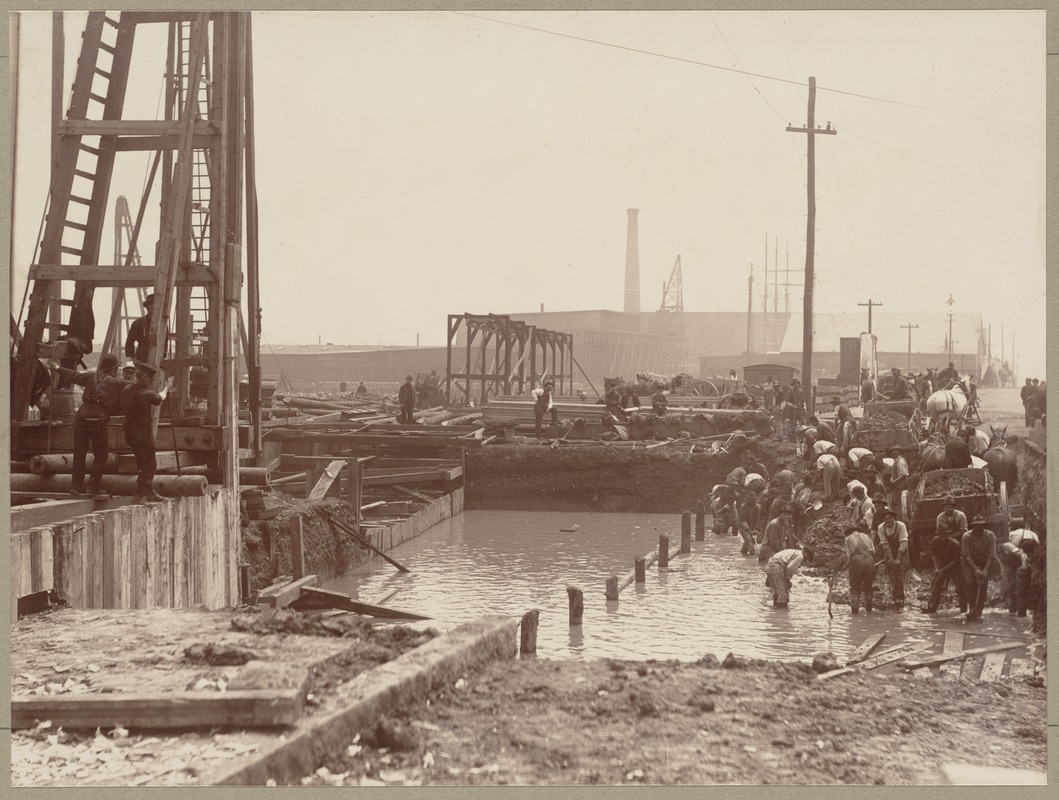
point(1026, 393)
point(406, 399)
point(900, 390)
point(361, 388)
point(770, 394)
point(867, 388)
point(139, 331)
point(542, 403)
point(136, 402)
point(947, 375)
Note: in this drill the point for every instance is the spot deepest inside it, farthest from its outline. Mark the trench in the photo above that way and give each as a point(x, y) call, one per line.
point(710, 601)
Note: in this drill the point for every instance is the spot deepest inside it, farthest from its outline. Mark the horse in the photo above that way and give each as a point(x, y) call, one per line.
point(1001, 462)
point(947, 407)
point(932, 452)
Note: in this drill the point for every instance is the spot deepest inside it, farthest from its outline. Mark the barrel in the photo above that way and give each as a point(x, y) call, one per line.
point(62, 403)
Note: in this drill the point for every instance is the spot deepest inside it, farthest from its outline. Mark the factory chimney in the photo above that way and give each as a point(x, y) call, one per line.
point(632, 265)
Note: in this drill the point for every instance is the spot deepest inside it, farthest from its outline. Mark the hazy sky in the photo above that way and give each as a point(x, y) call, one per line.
point(412, 165)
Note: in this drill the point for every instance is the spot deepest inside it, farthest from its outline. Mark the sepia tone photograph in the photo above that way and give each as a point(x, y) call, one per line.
point(527, 398)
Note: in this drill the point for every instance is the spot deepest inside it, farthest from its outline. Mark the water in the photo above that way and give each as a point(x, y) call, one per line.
point(711, 601)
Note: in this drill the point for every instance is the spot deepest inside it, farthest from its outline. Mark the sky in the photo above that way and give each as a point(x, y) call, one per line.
point(415, 165)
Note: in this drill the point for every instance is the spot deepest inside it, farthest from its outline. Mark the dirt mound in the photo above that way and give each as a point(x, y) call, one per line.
point(884, 421)
point(825, 535)
point(951, 486)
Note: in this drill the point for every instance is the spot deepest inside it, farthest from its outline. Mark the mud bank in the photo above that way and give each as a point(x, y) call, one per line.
point(667, 479)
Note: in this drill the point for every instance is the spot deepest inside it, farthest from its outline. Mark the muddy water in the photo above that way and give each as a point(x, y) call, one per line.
point(711, 601)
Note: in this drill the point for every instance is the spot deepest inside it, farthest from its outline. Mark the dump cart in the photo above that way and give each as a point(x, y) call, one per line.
point(973, 492)
point(880, 441)
point(903, 407)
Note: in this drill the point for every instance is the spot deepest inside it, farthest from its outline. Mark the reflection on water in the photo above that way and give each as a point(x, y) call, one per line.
point(712, 601)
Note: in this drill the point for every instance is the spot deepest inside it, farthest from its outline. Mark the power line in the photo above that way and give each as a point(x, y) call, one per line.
point(697, 63)
point(713, 19)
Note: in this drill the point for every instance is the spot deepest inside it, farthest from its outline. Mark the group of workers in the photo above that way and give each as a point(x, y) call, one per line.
point(1034, 400)
point(107, 394)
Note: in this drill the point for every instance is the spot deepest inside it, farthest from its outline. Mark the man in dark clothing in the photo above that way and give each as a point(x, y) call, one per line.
point(823, 429)
point(860, 559)
point(948, 376)
point(957, 453)
point(406, 399)
point(977, 554)
point(101, 398)
point(361, 388)
point(945, 553)
point(542, 404)
point(779, 533)
point(136, 341)
point(750, 524)
point(797, 400)
point(137, 398)
point(900, 390)
point(725, 507)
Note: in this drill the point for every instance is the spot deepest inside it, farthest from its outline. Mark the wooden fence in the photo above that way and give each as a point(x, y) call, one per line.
point(177, 553)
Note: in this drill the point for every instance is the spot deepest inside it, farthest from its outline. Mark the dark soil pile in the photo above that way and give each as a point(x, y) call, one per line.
point(825, 535)
point(945, 485)
point(886, 421)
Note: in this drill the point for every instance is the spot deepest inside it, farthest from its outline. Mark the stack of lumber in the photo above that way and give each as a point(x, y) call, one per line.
point(520, 412)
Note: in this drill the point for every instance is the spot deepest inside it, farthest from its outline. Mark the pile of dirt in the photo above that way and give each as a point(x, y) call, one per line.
point(951, 485)
point(825, 535)
point(885, 421)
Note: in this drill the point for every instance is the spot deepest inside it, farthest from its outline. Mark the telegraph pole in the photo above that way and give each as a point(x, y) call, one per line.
point(950, 302)
point(909, 326)
point(749, 310)
point(810, 130)
point(870, 304)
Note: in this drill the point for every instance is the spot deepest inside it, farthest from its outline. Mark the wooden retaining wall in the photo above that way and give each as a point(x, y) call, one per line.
point(180, 552)
point(441, 509)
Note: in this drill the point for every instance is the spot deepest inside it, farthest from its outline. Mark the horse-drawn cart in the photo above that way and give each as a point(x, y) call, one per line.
point(973, 492)
point(903, 407)
point(880, 441)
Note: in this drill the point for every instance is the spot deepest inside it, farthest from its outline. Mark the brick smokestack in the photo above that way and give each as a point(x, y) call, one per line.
point(632, 265)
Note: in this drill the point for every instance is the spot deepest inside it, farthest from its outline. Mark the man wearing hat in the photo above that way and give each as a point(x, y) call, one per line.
point(406, 399)
point(137, 399)
point(101, 397)
point(779, 533)
point(781, 568)
point(900, 389)
point(978, 554)
point(542, 402)
point(891, 538)
point(895, 479)
point(797, 400)
point(948, 376)
point(862, 506)
point(945, 553)
point(749, 524)
point(136, 341)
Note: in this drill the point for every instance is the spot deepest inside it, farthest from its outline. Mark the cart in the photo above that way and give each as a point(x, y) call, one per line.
point(882, 440)
point(922, 511)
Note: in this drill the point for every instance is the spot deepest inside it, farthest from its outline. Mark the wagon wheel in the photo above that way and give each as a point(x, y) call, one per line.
point(703, 389)
point(1005, 510)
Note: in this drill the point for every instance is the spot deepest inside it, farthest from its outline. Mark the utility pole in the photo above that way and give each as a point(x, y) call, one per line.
point(810, 130)
point(950, 302)
point(869, 304)
point(909, 326)
point(749, 310)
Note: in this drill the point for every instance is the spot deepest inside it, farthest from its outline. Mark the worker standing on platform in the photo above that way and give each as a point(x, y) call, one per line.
point(542, 403)
point(136, 402)
point(892, 539)
point(101, 398)
point(406, 399)
point(139, 330)
point(900, 389)
point(978, 554)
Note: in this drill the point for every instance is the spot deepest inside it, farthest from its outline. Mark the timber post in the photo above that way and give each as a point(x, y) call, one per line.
point(297, 551)
point(244, 583)
point(641, 570)
point(612, 587)
point(685, 532)
point(528, 632)
point(577, 604)
point(700, 526)
point(663, 551)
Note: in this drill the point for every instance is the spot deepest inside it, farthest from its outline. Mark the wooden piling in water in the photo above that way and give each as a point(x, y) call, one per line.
point(663, 551)
point(528, 632)
point(297, 551)
point(685, 532)
point(640, 569)
point(577, 604)
point(700, 526)
point(612, 587)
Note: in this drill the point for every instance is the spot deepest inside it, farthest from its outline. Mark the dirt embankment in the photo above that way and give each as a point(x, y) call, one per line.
point(666, 479)
point(1033, 483)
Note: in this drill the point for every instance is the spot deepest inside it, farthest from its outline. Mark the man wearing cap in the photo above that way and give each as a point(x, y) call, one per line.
point(891, 537)
point(406, 399)
point(780, 569)
point(978, 554)
point(945, 553)
point(1028, 543)
point(542, 402)
point(860, 559)
point(796, 399)
point(137, 399)
point(101, 398)
point(136, 341)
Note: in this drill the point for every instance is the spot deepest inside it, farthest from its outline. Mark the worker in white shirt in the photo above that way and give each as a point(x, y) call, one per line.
point(861, 505)
point(779, 570)
point(860, 458)
point(542, 403)
point(860, 559)
point(891, 537)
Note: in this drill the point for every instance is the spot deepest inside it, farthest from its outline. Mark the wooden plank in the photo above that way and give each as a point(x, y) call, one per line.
point(162, 710)
point(180, 556)
point(136, 534)
point(834, 673)
point(283, 594)
point(297, 550)
point(893, 654)
point(865, 648)
point(953, 642)
point(425, 476)
point(972, 668)
point(323, 485)
point(123, 567)
point(1020, 667)
point(92, 559)
point(320, 598)
point(940, 659)
point(111, 556)
point(993, 667)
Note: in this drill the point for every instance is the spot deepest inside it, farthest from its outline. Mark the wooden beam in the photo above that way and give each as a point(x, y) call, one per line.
point(283, 594)
point(416, 477)
point(321, 598)
point(331, 471)
point(133, 127)
point(150, 143)
point(941, 659)
point(162, 710)
point(865, 648)
point(109, 275)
